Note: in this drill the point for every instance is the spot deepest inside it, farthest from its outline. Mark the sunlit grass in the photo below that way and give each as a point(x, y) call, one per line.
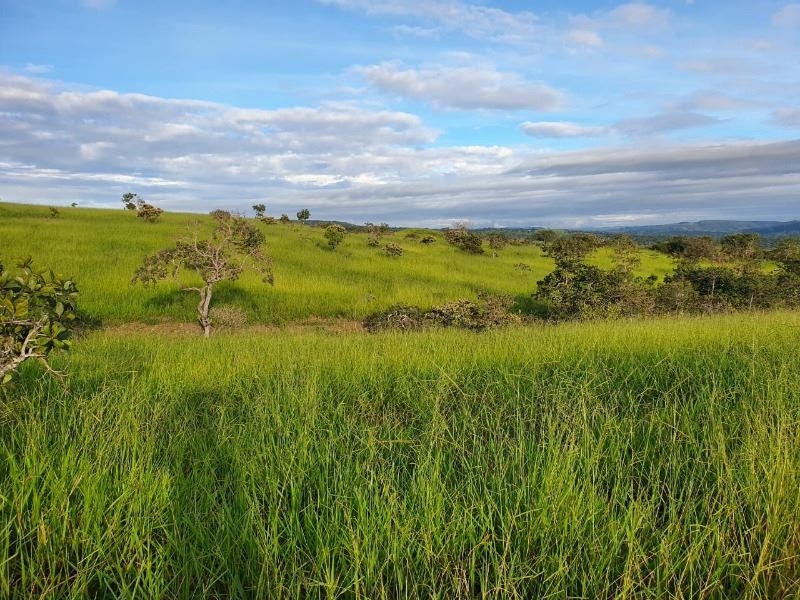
point(655, 459)
point(102, 249)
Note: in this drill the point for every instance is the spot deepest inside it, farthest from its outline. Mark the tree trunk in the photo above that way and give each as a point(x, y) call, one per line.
point(202, 309)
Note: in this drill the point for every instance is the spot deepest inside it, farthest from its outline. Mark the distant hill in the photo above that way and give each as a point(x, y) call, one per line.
point(712, 228)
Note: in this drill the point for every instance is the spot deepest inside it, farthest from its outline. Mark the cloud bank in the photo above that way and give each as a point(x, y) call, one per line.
point(61, 143)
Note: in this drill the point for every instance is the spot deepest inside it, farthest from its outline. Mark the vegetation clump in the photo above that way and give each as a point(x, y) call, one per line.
point(335, 235)
point(490, 311)
point(37, 313)
point(464, 239)
point(147, 212)
point(393, 250)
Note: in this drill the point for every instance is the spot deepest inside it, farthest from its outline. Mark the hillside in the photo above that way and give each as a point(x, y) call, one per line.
point(102, 248)
point(712, 228)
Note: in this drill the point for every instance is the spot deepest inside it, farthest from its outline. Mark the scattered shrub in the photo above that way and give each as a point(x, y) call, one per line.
point(146, 212)
point(402, 317)
point(228, 316)
point(428, 239)
point(335, 235)
point(373, 241)
point(521, 266)
point(464, 239)
point(393, 249)
point(490, 311)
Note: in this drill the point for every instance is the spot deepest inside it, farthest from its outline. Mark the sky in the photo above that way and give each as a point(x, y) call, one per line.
point(411, 112)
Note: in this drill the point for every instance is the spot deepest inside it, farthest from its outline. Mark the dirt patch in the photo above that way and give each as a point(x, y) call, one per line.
point(175, 329)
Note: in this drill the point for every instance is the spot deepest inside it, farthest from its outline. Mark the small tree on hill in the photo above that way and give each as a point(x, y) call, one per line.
point(260, 210)
point(37, 309)
point(146, 212)
point(303, 215)
point(284, 219)
point(234, 245)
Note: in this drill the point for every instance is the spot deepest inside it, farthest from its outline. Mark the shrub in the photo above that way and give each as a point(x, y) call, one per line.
point(228, 316)
point(393, 250)
point(490, 311)
point(399, 316)
point(428, 239)
point(335, 235)
point(464, 239)
point(37, 311)
point(146, 212)
point(373, 241)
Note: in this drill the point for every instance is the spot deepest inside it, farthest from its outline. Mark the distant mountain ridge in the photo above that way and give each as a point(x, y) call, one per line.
point(712, 228)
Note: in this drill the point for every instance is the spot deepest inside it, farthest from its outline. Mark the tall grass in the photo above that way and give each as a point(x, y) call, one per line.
point(657, 459)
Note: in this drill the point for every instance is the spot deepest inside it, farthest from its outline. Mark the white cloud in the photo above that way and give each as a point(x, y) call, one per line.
point(418, 32)
point(788, 16)
point(639, 15)
point(465, 88)
point(584, 37)
point(479, 22)
point(561, 129)
point(35, 69)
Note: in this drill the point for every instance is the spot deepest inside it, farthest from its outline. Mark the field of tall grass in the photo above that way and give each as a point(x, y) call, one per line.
point(627, 460)
point(655, 458)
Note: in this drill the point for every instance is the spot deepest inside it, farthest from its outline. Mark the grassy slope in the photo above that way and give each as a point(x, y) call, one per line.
point(650, 460)
point(102, 248)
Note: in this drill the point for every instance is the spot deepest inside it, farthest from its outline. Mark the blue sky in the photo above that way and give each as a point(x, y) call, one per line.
point(415, 112)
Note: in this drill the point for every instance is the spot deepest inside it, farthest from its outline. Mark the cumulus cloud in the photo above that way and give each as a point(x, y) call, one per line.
point(463, 87)
point(561, 129)
point(479, 22)
point(788, 16)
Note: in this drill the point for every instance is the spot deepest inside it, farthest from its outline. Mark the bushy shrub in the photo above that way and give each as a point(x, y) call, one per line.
point(373, 241)
point(462, 238)
point(393, 250)
point(335, 235)
point(401, 317)
point(428, 239)
point(488, 312)
point(228, 316)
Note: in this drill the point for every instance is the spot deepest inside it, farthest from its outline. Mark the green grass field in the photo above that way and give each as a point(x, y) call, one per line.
point(636, 459)
point(102, 249)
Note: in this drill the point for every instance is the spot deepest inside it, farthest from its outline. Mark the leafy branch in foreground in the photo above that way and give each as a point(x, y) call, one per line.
point(234, 245)
point(37, 308)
